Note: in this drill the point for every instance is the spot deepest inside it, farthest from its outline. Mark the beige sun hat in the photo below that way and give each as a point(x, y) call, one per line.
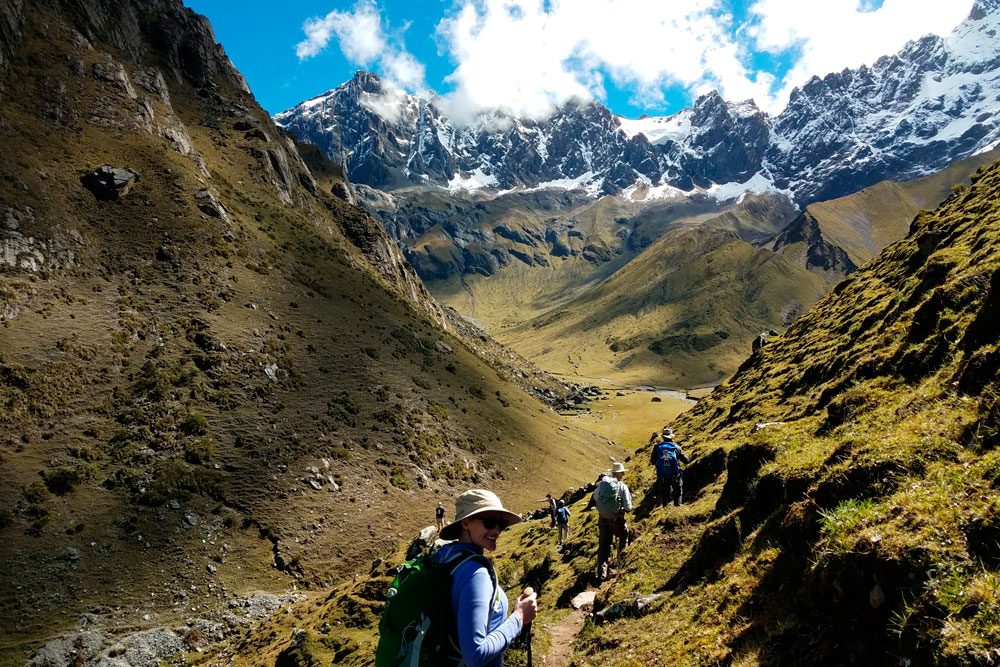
point(471, 503)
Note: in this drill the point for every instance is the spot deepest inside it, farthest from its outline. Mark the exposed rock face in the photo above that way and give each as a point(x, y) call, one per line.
point(20, 250)
point(11, 20)
point(819, 254)
point(906, 115)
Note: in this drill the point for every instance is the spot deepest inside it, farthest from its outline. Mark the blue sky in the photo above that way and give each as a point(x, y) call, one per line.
point(636, 56)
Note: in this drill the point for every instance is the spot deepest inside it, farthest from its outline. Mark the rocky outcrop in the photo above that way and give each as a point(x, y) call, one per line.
point(818, 254)
point(20, 250)
point(109, 182)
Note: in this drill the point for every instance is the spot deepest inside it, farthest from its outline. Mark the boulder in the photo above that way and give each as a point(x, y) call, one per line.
point(421, 542)
point(209, 205)
point(108, 182)
point(340, 191)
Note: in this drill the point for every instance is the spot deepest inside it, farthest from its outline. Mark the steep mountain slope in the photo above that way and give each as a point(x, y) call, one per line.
point(542, 243)
point(682, 312)
point(841, 505)
point(864, 223)
point(907, 115)
point(216, 376)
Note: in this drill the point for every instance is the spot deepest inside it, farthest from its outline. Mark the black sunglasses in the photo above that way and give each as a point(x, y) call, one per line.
point(489, 522)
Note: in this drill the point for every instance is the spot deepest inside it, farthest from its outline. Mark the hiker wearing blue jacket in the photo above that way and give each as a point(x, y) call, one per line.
point(481, 628)
point(668, 456)
point(562, 521)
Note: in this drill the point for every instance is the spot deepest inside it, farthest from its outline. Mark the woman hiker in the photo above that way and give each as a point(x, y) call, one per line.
point(481, 625)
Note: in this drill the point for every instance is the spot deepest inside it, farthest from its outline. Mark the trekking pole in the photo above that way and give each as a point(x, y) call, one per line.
point(527, 626)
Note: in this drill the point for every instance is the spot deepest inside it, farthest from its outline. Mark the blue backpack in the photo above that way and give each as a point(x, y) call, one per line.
point(667, 464)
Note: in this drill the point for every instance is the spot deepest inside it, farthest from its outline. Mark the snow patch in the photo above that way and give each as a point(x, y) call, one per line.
point(644, 190)
point(659, 129)
point(757, 184)
point(587, 181)
point(988, 148)
point(475, 180)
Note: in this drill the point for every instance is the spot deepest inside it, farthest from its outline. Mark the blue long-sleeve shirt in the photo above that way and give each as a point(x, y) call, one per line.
point(484, 630)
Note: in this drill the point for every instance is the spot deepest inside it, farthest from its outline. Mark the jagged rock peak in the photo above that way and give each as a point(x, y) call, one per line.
point(904, 116)
point(981, 8)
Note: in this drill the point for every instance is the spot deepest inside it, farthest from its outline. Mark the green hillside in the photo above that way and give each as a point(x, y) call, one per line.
point(685, 310)
point(867, 221)
point(682, 313)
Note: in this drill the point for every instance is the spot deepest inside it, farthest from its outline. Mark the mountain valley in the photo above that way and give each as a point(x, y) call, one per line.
point(514, 221)
point(242, 358)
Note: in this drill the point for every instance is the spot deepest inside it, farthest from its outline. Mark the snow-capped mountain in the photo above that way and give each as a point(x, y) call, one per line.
point(909, 114)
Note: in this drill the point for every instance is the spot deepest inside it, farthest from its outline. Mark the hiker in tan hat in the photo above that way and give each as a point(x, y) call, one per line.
point(613, 499)
point(481, 625)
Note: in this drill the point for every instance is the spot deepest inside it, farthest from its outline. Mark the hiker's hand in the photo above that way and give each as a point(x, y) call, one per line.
point(527, 606)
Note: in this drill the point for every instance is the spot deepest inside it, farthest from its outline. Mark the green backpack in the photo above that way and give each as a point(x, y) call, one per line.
point(415, 629)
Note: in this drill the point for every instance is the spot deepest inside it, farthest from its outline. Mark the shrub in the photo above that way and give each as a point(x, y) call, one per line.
point(61, 481)
point(194, 424)
point(398, 478)
point(84, 453)
point(35, 493)
point(173, 479)
point(38, 517)
point(201, 450)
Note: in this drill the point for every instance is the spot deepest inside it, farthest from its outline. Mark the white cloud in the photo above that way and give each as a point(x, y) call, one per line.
point(405, 71)
point(359, 34)
point(529, 55)
point(835, 34)
point(364, 43)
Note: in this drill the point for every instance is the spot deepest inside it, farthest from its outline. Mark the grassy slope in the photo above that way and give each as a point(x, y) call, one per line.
point(518, 292)
point(136, 376)
point(858, 526)
point(681, 313)
point(867, 221)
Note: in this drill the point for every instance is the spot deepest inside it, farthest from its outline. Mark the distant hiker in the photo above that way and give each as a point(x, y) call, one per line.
point(668, 456)
point(762, 338)
point(562, 521)
point(439, 516)
point(551, 502)
point(612, 499)
point(446, 607)
point(478, 603)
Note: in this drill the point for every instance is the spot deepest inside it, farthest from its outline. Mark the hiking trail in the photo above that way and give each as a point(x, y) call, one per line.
point(562, 634)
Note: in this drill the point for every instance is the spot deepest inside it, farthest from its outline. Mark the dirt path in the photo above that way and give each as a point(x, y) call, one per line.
point(563, 635)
